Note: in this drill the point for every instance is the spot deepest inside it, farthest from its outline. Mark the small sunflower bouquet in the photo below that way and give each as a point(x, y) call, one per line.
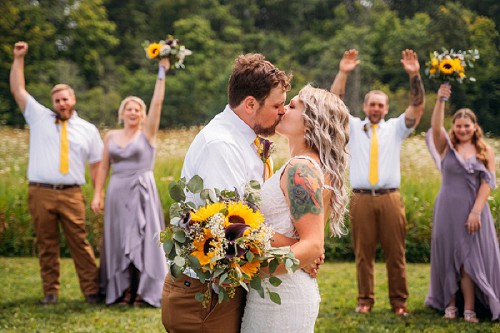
point(225, 242)
point(450, 66)
point(168, 48)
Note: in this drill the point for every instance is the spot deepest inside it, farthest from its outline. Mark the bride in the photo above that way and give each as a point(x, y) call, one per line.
point(297, 202)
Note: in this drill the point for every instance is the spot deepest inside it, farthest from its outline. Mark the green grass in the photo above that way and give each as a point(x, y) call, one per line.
point(20, 292)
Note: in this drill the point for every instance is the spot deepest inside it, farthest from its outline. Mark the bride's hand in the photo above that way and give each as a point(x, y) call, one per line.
point(313, 269)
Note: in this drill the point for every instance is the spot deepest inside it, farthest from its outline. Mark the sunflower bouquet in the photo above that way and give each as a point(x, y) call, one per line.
point(225, 241)
point(168, 48)
point(450, 66)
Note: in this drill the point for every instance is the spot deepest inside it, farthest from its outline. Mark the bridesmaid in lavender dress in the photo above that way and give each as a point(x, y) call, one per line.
point(464, 249)
point(133, 265)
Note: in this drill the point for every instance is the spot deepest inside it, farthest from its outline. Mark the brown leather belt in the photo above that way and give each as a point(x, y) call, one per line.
point(54, 186)
point(379, 191)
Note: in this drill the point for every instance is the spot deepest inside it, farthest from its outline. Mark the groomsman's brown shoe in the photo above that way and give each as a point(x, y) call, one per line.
point(49, 299)
point(363, 308)
point(92, 299)
point(401, 311)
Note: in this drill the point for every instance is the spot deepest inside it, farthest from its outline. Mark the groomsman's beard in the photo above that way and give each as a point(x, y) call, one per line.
point(267, 131)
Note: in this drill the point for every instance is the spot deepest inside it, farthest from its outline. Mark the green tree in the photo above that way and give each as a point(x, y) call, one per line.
point(22, 20)
point(88, 36)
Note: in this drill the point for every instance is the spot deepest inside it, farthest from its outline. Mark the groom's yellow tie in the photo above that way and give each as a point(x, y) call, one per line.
point(373, 176)
point(268, 162)
point(64, 157)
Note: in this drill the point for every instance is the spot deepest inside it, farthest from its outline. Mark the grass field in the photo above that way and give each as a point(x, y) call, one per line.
point(20, 292)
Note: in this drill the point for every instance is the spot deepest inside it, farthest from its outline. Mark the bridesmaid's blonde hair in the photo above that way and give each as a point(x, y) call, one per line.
point(131, 99)
point(477, 138)
point(326, 121)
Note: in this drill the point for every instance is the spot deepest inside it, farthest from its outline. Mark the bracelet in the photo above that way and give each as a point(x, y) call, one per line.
point(161, 72)
point(475, 212)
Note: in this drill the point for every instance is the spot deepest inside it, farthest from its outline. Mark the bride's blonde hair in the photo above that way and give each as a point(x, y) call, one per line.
point(326, 120)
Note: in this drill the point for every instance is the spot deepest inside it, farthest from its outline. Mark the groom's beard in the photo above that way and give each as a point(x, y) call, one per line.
point(267, 131)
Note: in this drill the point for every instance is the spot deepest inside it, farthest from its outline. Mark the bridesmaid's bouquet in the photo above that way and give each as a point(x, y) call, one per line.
point(450, 66)
point(225, 241)
point(168, 48)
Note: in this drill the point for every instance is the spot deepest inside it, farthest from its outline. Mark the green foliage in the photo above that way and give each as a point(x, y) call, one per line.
point(101, 41)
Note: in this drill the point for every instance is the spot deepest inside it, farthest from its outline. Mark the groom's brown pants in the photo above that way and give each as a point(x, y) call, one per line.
point(181, 312)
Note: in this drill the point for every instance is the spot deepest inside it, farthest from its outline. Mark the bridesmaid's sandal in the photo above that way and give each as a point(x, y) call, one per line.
point(139, 302)
point(126, 298)
point(451, 312)
point(470, 316)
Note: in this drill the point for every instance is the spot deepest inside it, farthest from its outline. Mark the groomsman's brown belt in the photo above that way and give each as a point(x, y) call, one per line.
point(54, 186)
point(379, 191)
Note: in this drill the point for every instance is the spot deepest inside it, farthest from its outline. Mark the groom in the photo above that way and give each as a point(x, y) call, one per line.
point(225, 156)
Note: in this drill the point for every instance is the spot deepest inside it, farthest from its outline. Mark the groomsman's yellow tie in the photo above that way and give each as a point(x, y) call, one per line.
point(373, 176)
point(64, 158)
point(268, 162)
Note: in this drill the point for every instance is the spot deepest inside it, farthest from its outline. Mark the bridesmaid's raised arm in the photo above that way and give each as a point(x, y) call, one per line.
point(152, 121)
point(437, 121)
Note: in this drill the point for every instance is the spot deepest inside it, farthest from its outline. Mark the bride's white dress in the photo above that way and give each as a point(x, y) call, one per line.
point(299, 292)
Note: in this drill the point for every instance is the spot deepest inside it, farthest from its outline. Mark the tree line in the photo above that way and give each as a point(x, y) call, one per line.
point(96, 46)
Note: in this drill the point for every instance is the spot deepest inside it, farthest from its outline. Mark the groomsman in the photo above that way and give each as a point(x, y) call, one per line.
point(225, 155)
point(376, 211)
point(60, 145)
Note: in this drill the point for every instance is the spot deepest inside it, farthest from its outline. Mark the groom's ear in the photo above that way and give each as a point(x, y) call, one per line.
point(250, 105)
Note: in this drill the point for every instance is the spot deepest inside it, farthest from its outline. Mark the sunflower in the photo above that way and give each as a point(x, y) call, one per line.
point(432, 71)
point(250, 268)
point(241, 213)
point(247, 268)
point(203, 213)
point(447, 66)
point(458, 65)
point(204, 249)
point(461, 74)
point(434, 62)
point(153, 50)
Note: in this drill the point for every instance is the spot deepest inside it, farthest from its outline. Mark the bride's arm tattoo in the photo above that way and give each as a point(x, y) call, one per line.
point(304, 191)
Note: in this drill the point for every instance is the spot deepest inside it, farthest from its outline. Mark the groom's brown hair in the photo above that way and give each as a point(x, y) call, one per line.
point(254, 76)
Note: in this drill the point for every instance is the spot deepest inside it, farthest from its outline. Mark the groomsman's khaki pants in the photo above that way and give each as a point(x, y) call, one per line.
point(381, 218)
point(182, 313)
point(48, 207)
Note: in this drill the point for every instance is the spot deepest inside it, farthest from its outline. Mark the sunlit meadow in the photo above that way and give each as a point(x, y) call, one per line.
point(420, 184)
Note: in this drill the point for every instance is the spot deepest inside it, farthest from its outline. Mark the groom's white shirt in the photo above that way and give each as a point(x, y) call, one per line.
point(224, 155)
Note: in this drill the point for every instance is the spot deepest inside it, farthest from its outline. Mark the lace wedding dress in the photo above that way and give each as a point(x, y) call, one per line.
point(299, 292)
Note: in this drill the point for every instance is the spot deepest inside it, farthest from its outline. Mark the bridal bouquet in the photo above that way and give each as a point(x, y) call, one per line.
point(168, 48)
point(225, 242)
point(450, 65)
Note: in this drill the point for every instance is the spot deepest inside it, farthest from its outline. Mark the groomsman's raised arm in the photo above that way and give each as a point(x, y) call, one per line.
point(416, 106)
point(17, 82)
point(347, 64)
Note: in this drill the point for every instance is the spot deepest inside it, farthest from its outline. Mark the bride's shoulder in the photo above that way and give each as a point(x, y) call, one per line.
point(302, 166)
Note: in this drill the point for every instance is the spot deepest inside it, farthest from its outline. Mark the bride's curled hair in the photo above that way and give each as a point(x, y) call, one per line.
point(326, 120)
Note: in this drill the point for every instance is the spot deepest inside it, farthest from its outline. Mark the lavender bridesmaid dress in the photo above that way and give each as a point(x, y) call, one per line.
point(133, 218)
point(452, 246)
